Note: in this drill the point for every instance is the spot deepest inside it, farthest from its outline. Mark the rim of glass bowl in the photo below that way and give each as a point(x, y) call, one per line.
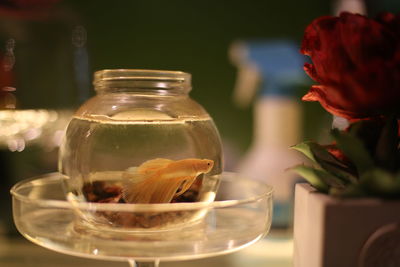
point(57, 178)
point(137, 74)
point(142, 78)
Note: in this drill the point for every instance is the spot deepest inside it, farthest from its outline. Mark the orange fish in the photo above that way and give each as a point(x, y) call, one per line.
point(159, 180)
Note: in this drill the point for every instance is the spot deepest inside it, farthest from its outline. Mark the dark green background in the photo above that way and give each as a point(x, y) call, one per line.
point(192, 36)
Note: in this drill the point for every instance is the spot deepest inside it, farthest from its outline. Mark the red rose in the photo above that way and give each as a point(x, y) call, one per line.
point(356, 62)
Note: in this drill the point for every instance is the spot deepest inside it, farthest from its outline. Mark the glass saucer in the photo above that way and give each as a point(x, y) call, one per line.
point(240, 215)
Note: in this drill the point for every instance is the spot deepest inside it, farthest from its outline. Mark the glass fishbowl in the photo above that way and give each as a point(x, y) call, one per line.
point(141, 139)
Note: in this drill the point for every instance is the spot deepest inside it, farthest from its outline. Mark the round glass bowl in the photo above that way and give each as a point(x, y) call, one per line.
point(240, 215)
point(141, 139)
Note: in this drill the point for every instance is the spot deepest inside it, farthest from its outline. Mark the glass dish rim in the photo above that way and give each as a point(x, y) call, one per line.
point(56, 177)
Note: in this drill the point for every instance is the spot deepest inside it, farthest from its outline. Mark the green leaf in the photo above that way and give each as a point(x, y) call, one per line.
point(353, 190)
point(331, 164)
point(381, 182)
point(305, 148)
point(326, 160)
point(320, 179)
point(354, 149)
point(387, 146)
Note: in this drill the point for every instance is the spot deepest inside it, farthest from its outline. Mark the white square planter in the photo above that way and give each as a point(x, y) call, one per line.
point(333, 232)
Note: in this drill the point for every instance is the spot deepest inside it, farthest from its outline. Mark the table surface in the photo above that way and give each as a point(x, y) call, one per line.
point(272, 251)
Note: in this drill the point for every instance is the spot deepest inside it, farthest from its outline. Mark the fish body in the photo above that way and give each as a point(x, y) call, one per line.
point(159, 180)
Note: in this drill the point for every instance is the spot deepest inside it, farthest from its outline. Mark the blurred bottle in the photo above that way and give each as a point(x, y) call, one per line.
point(274, 67)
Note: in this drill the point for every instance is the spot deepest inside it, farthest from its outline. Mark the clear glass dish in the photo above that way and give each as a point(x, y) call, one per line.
point(240, 215)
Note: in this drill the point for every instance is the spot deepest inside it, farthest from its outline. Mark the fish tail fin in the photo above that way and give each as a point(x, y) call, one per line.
point(165, 191)
point(133, 186)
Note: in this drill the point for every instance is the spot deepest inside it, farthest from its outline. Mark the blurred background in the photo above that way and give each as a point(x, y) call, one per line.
point(49, 50)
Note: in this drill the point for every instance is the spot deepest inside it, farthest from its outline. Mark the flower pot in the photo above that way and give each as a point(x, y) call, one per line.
point(334, 232)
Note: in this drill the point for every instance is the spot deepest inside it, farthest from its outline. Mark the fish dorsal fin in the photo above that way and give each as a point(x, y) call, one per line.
point(153, 165)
